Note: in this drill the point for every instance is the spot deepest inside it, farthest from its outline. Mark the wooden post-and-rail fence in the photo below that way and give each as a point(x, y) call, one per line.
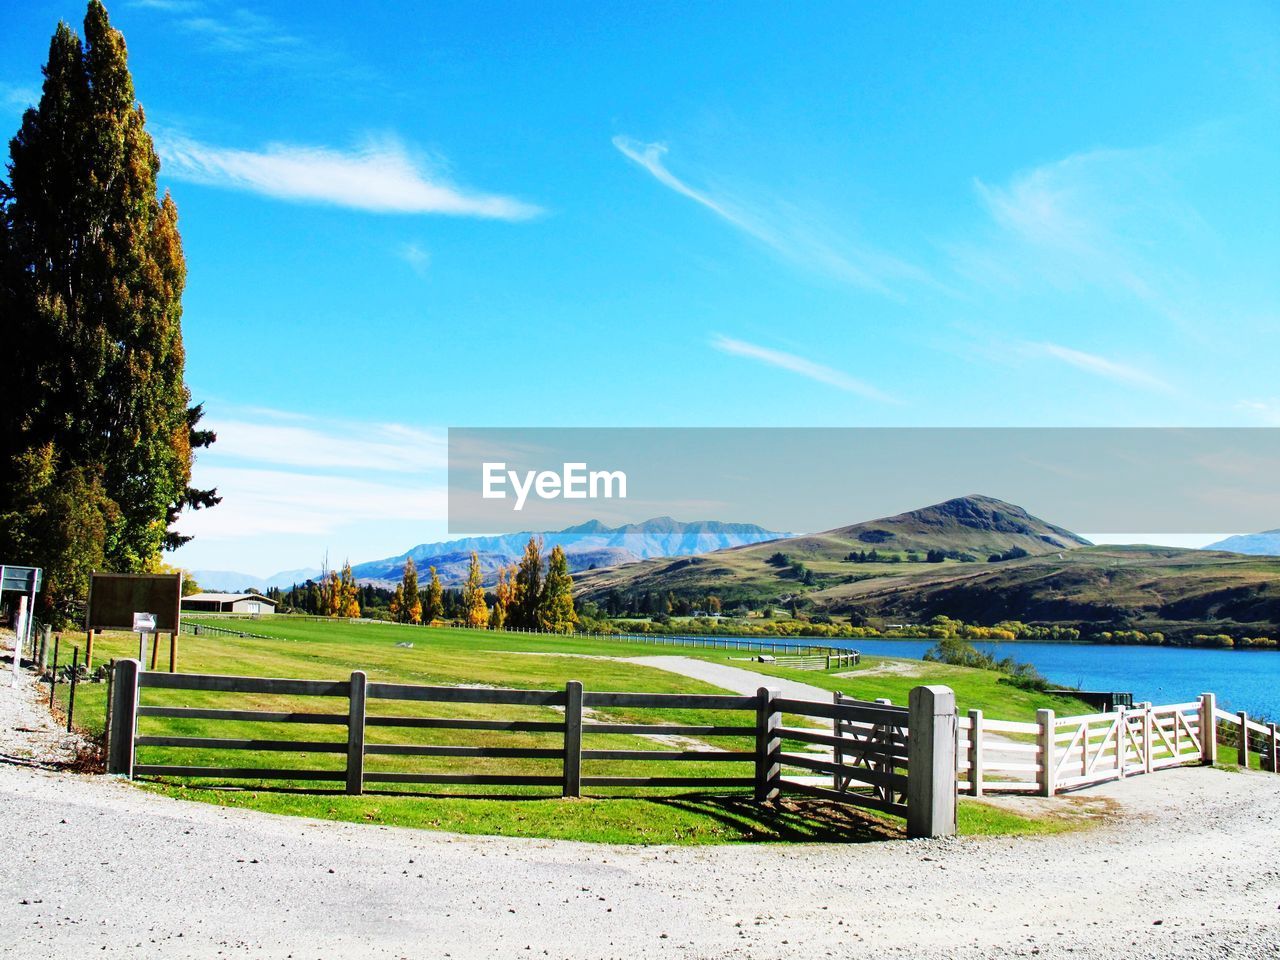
point(1064, 753)
point(900, 760)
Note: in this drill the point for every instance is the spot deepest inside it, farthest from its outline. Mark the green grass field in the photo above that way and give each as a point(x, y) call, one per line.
point(331, 650)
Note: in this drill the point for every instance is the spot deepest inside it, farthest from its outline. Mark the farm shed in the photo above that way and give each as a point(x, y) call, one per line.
point(228, 603)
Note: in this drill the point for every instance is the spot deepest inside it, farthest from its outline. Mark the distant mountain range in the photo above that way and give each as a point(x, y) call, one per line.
point(1265, 544)
point(221, 581)
point(587, 545)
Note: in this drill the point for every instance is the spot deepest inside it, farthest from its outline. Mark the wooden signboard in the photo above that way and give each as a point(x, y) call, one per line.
point(114, 598)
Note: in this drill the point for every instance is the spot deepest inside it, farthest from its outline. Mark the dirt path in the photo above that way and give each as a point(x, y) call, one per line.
point(94, 867)
point(736, 679)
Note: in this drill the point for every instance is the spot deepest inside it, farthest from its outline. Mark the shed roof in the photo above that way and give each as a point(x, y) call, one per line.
point(227, 597)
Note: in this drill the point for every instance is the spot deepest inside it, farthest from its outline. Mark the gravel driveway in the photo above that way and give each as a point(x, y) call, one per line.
point(95, 867)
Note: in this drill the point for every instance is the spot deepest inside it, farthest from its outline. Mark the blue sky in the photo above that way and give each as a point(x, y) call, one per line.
point(847, 214)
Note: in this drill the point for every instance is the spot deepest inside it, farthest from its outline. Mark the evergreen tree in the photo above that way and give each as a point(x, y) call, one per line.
point(555, 611)
point(435, 598)
point(477, 611)
point(528, 594)
point(497, 616)
point(59, 514)
point(91, 281)
point(411, 603)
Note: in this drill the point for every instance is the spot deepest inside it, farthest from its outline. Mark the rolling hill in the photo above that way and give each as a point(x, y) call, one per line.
point(968, 529)
point(1048, 575)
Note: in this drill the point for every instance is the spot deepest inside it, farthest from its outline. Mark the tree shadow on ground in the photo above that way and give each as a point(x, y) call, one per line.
point(791, 820)
point(785, 820)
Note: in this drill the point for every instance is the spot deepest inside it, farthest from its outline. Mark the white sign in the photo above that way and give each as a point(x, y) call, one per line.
point(144, 623)
point(575, 483)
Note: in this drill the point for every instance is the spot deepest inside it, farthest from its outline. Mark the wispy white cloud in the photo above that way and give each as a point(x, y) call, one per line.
point(17, 97)
point(168, 6)
point(260, 501)
point(418, 258)
point(801, 366)
point(1108, 220)
point(238, 31)
point(280, 472)
point(1099, 366)
point(381, 177)
point(796, 236)
point(1264, 411)
point(299, 441)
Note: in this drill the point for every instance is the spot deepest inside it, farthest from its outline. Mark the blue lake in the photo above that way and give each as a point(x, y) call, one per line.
point(1242, 679)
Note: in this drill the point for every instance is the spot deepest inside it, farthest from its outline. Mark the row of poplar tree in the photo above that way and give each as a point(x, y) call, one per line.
point(98, 430)
point(525, 597)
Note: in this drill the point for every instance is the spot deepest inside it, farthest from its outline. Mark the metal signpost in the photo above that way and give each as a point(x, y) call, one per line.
point(143, 623)
point(24, 580)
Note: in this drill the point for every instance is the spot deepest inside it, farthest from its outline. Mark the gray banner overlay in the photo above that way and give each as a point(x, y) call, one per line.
point(802, 480)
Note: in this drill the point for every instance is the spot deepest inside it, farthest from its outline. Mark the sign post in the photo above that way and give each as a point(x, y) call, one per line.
point(25, 580)
point(19, 628)
point(143, 623)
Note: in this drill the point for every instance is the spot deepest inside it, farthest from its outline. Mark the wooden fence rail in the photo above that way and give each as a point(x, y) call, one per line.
point(871, 758)
point(1064, 753)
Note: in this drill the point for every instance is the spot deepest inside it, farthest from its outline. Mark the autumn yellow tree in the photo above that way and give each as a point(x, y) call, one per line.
point(348, 593)
point(473, 595)
point(411, 603)
point(396, 607)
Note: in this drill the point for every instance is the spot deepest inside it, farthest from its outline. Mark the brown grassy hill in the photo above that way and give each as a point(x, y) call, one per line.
point(1062, 579)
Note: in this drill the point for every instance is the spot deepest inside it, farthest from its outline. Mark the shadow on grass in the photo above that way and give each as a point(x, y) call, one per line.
point(785, 820)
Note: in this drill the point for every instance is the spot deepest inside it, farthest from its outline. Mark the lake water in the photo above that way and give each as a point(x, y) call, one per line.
point(1242, 679)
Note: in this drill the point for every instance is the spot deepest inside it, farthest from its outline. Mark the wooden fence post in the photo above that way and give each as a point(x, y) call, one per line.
point(124, 717)
point(837, 751)
point(71, 690)
point(106, 726)
point(1242, 751)
point(1122, 741)
point(1148, 739)
point(768, 745)
point(573, 739)
point(1048, 763)
point(1272, 744)
point(931, 762)
point(53, 671)
point(355, 732)
point(975, 753)
point(1208, 729)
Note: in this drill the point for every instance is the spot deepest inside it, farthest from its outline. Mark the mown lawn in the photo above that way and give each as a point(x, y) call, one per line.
point(444, 656)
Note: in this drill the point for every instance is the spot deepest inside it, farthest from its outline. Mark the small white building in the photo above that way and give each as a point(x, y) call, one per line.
point(228, 603)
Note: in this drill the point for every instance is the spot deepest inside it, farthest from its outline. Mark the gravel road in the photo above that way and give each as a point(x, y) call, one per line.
point(1185, 867)
point(735, 679)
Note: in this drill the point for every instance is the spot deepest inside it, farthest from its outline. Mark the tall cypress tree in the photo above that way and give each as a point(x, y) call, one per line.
point(435, 598)
point(91, 281)
point(411, 611)
point(528, 590)
point(555, 611)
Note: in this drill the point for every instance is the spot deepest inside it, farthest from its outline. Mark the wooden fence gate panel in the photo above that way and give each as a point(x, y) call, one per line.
point(871, 762)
